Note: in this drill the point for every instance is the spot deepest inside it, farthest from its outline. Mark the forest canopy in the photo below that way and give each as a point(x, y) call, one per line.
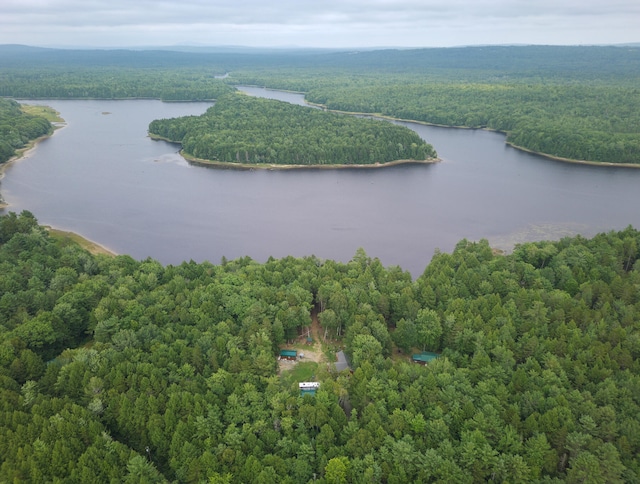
point(247, 130)
point(117, 370)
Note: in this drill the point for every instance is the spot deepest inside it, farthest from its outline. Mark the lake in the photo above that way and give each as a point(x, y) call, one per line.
point(101, 176)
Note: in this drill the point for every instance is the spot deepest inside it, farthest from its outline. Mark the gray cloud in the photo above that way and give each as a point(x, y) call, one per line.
point(331, 23)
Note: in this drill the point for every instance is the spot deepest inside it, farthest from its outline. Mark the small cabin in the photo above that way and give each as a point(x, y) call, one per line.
point(424, 357)
point(288, 355)
point(308, 387)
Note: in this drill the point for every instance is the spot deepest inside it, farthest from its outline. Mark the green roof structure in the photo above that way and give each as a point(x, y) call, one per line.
point(289, 354)
point(424, 357)
point(308, 388)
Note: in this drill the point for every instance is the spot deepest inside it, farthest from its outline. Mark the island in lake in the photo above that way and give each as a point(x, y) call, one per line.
point(247, 131)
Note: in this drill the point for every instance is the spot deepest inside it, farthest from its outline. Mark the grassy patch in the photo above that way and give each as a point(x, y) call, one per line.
point(303, 371)
point(72, 238)
point(399, 355)
point(46, 112)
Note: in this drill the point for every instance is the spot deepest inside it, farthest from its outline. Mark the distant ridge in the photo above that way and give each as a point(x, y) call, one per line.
point(193, 49)
point(22, 48)
point(621, 61)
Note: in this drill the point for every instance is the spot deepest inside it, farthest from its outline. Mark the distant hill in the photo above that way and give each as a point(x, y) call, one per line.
point(568, 61)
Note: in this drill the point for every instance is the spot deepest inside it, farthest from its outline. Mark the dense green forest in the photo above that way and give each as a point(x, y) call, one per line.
point(34, 73)
point(18, 128)
point(116, 370)
point(247, 130)
point(572, 102)
point(112, 83)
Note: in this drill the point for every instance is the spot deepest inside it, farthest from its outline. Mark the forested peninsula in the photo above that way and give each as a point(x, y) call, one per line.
point(250, 131)
point(578, 103)
point(116, 370)
point(18, 128)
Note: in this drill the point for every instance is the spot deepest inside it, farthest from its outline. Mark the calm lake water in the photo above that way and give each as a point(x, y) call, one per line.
point(101, 176)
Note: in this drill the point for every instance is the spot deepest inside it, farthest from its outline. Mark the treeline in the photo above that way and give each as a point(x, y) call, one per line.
point(17, 128)
point(111, 83)
point(113, 369)
point(243, 129)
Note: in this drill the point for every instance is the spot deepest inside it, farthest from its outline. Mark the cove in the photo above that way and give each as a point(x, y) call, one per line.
point(101, 176)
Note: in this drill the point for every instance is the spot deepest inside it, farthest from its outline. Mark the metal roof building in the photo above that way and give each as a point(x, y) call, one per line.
point(342, 363)
point(288, 354)
point(308, 387)
point(424, 357)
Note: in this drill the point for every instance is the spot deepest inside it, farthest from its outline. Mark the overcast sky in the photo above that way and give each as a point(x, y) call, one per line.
point(317, 23)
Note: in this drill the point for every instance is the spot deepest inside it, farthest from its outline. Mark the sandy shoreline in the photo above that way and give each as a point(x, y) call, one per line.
point(272, 166)
point(90, 245)
point(570, 160)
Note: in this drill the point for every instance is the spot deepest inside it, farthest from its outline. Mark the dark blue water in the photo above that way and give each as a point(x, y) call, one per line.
point(101, 176)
